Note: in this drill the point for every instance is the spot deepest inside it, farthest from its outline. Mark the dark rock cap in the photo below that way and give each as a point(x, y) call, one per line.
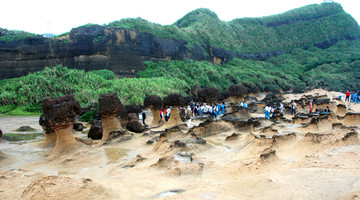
point(209, 94)
point(237, 90)
point(109, 104)
point(175, 99)
point(60, 110)
point(153, 100)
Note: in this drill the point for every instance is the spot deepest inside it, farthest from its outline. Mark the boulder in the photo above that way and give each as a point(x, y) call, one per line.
point(96, 130)
point(78, 126)
point(135, 126)
point(25, 129)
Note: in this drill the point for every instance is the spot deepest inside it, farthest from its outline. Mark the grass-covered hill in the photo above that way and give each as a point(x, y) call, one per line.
point(298, 28)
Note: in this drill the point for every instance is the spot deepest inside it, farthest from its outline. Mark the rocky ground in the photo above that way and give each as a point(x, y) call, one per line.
point(239, 155)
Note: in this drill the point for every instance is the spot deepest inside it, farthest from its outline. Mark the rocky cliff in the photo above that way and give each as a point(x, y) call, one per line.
point(200, 35)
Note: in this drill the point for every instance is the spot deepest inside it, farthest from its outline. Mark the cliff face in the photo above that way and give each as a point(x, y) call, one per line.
point(120, 50)
point(90, 48)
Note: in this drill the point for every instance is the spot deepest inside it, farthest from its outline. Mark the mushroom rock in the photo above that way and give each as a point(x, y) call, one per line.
point(61, 113)
point(155, 103)
point(209, 95)
point(237, 92)
point(50, 136)
point(175, 100)
point(109, 107)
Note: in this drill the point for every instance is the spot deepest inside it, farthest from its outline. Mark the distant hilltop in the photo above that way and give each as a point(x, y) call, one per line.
point(122, 46)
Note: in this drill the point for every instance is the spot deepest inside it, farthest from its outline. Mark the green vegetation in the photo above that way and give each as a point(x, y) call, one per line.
point(333, 68)
point(62, 35)
point(297, 28)
point(28, 92)
point(13, 35)
point(20, 137)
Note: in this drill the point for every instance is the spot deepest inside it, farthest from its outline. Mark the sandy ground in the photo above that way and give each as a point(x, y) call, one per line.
point(306, 162)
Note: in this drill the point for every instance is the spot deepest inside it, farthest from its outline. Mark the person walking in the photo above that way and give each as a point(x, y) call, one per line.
point(282, 109)
point(245, 104)
point(161, 114)
point(267, 112)
point(223, 108)
point(347, 95)
point(218, 107)
point(340, 94)
point(310, 107)
point(293, 108)
point(167, 113)
point(143, 117)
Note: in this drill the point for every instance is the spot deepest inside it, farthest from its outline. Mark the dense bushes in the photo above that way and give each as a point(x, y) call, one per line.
point(11, 35)
point(86, 87)
point(332, 68)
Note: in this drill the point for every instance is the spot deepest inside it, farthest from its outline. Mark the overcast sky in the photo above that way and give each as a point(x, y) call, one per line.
point(49, 16)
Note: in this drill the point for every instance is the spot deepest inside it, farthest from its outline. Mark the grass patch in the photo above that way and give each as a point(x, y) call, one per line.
point(7, 108)
point(12, 137)
point(21, 111)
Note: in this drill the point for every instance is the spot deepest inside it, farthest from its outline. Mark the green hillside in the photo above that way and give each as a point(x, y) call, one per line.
point(297, 28)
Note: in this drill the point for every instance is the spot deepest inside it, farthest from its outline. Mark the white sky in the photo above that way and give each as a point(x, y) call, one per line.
point(59, 16)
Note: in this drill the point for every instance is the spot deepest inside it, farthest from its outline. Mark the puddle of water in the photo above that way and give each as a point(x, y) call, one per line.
point(169, 193)
point(114, 154)
point(23, 153)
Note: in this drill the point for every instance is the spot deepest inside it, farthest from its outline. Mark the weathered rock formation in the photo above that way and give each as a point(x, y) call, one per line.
point(237, 92)
point(175, 100)
point(50, 136)
point(133, 124)
point(96, 130)
point(155, 103)
point(208, 95)
point(109, 107)
point(54, 186)
point(61, 113)
point(120, 50)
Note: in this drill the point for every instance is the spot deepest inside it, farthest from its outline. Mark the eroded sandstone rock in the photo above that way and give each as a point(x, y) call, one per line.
point(109, 107)
point(60, 114)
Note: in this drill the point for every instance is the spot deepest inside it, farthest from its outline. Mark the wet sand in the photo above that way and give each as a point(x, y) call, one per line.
point(277, 160)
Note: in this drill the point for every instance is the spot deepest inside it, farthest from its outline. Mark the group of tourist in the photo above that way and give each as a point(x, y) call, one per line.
point(353, 97)
point(274, 110)
point(214, 110)
point(196, 110)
